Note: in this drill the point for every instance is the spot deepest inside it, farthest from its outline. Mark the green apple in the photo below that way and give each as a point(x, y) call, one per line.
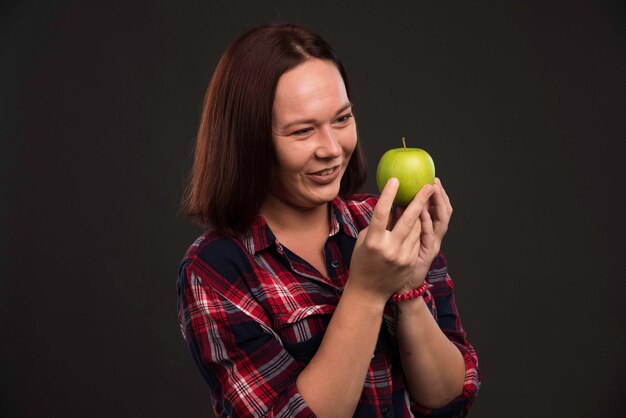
point(413, 167)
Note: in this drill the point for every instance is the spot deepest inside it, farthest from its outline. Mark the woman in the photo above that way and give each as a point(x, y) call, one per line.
point(285, 302)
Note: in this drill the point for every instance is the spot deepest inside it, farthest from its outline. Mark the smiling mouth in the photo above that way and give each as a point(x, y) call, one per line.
point(326, 171)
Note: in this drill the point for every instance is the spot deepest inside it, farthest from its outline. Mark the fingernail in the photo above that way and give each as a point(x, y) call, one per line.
point(393, 181)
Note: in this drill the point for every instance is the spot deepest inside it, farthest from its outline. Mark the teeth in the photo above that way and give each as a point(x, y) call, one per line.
point(325, 172)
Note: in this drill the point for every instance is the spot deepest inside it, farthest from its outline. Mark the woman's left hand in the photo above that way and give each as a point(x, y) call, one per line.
point(434, 220)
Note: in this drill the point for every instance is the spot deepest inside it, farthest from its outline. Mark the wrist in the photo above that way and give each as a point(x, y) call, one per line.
point(405, 294)
point(358, 295)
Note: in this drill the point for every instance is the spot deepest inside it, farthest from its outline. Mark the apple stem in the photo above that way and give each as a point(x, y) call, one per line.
point(403, 143)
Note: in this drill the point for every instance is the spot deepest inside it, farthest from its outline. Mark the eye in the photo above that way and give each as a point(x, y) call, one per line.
point(343, 119)
point(301, 132)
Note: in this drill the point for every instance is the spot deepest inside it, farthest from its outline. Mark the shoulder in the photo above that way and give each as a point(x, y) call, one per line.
point(214, 289)
point(218, 256)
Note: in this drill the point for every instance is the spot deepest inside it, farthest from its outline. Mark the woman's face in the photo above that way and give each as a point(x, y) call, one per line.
point(314, 133)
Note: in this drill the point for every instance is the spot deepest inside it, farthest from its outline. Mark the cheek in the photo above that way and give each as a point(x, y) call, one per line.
point(291, 159)
point(349, 140)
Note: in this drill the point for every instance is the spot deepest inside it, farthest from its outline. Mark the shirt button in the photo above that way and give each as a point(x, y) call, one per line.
point(334, 263)
point(385, 410)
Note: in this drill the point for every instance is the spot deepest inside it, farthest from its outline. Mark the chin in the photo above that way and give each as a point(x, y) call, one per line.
point(327, 197)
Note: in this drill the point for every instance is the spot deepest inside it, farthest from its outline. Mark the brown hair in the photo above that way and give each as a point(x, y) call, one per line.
point(234, 150)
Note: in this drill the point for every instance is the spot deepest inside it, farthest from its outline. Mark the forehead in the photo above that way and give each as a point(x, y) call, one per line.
point(314, 86)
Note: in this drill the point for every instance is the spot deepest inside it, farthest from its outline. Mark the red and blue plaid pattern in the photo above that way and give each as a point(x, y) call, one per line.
point(253, 314)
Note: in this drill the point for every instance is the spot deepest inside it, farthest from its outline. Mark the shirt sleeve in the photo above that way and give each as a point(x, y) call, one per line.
point(447, 316)
point(238, 354)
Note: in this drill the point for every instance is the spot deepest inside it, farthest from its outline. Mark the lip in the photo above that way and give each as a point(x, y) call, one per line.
point(328, 178)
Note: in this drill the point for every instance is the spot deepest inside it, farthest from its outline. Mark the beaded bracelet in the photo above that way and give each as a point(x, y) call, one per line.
point(412, 294)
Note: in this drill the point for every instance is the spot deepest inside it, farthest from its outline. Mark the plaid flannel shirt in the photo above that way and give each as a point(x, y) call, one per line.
point(253, 314)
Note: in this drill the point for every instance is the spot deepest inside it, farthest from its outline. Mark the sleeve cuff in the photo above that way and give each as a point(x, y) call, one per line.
point(291, 404)
point(460, 405)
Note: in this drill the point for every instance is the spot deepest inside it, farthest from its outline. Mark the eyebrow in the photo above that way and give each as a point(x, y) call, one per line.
point(313, 121)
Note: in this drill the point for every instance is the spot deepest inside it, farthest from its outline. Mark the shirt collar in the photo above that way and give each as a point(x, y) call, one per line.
point(260, 236)
point(341, 218)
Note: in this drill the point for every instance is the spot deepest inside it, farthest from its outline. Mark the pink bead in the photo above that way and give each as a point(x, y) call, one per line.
point(412, 294)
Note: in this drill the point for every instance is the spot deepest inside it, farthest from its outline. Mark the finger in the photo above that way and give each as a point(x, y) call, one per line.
point(411, 214)
point(428, 202)
point(428, 239)
point(382, 210)
point(440, 214)
point(412, 240)
point(439, 208)
point(441, 217)
point(445, 195)
point(427, 223)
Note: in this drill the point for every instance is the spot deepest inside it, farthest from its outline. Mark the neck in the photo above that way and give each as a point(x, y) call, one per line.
point(284, 217)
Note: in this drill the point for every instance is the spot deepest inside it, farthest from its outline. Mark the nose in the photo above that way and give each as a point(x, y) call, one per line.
point(328, 146)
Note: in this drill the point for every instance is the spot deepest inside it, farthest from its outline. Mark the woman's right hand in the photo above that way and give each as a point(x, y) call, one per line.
point(385, 260)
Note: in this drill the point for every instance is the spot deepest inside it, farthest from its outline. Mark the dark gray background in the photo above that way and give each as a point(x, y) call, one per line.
point(521, 104)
